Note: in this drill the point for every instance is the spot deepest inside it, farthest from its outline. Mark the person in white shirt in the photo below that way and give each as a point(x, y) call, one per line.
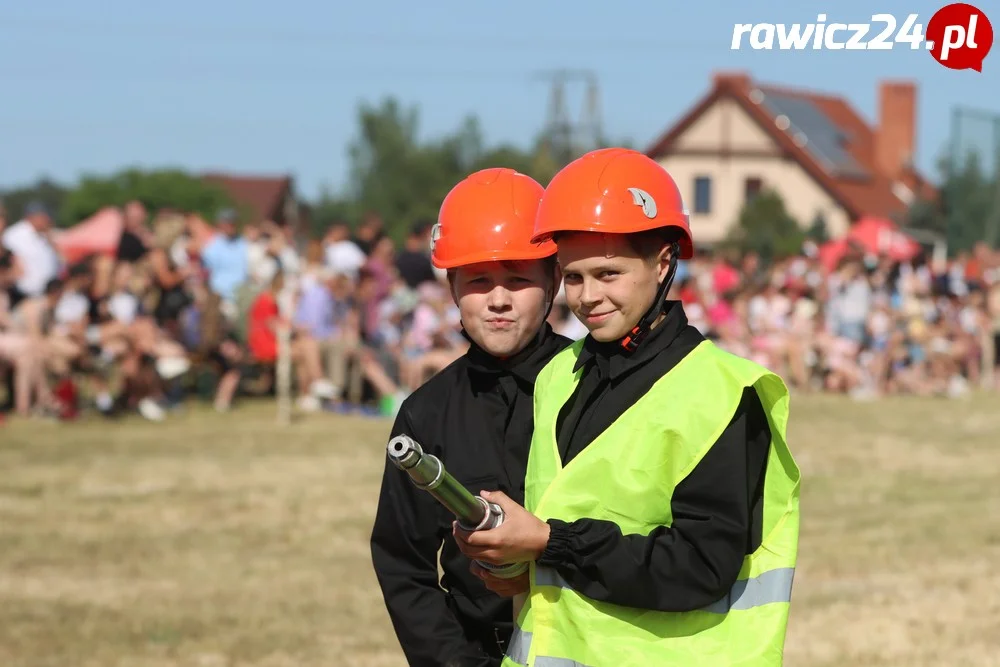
point(262, 255)
point(343, 256)
point(29, 242)
point(34, 317)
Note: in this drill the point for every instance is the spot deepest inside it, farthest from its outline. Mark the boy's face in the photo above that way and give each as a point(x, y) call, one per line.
point(502, 304)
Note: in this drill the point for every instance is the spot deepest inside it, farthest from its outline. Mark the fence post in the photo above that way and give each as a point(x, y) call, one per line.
point(283, 371)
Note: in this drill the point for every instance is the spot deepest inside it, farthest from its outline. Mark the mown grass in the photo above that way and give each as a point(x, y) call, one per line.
point(223, 540)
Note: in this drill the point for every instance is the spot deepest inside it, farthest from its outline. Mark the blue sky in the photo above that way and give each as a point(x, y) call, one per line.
point(273, 87)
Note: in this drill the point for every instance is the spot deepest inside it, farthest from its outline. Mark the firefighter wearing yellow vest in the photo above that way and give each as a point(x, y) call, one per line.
point(661, 514)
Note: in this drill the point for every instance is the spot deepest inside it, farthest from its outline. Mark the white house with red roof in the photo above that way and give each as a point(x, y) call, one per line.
point(814, 149)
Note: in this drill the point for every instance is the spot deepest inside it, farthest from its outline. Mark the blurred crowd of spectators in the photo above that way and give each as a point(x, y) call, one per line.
point(187, 307)
point(868, 326)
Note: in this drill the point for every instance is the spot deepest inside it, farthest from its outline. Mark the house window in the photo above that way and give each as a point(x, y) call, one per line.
point(751, 188)
point(702, 194)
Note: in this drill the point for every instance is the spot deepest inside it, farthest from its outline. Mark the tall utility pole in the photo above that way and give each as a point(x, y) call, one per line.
point(977, 131)
point(565, 139)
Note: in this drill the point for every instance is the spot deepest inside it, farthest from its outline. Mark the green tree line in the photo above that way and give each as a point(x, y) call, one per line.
point(403, 178)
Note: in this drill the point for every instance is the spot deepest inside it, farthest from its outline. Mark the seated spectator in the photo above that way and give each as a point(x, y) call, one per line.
point(262, 254)
point(136, 239)
point(26, 363)
point(429, 343)
point(226, 257)
point(168, 279)
point(368, 232)
point(263, 324)
point(35, 318)
point(413, 262)
point(341, 254)
point(322, 313)
point(29, 240)
point(381, 267)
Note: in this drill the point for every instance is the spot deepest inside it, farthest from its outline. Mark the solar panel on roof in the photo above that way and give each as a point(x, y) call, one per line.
point(824, 140)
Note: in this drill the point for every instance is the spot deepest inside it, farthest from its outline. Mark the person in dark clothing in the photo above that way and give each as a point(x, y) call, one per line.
point(169, 279)
point(368, 232)
point(10, 268)
point(131, 247)
point(413, 262)
point(476, 416)
point(698, 481)
point(135, 239)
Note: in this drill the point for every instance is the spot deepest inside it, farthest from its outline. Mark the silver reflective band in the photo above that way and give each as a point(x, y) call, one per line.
point(520, 644)
point(766, 588)
point(546, 576)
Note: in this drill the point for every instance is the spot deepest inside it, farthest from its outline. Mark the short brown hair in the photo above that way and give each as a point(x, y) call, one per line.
point(548, 264)
point(648, 244)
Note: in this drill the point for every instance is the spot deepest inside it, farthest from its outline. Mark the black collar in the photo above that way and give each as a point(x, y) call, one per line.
point(613, 360)
point(524, 365)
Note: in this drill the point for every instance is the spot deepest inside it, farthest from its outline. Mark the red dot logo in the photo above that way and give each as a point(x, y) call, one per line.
point(960, 36)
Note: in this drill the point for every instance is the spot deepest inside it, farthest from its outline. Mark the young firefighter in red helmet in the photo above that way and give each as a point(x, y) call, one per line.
point(662, 500)
point(476, 416)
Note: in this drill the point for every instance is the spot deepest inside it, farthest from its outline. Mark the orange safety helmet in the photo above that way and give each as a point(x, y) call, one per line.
point(489, 216)
point(614, 191)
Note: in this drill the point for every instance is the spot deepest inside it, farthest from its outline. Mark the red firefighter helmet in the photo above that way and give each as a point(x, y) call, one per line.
point(489, 216)
point(613, 191)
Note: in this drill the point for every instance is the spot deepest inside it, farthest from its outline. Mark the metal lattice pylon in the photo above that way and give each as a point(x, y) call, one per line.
point(977, 132)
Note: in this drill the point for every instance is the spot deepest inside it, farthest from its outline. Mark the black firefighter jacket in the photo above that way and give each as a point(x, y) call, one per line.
point(476, 416)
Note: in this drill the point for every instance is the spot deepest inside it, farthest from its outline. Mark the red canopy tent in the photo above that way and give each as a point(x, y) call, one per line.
point(873, 236)
point(831, 252)
point(100, 233)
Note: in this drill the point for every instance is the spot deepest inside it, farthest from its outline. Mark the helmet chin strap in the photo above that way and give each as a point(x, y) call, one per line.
point(550, 302)
point(639, 332)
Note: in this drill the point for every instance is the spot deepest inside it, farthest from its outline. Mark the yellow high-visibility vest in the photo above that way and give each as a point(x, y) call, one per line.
point(627, 475)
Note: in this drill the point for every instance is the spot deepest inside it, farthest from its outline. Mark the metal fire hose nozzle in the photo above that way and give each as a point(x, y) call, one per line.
point(472, 512)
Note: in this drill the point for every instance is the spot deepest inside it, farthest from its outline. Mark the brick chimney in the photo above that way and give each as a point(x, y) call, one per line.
point(732, 79)
point(895, 136)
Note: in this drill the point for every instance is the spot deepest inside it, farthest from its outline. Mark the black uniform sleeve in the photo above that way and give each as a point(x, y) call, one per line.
point(695, 561)
point(404, 546)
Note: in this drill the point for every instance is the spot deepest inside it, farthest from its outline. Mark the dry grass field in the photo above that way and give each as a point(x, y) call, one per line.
point(217, 541)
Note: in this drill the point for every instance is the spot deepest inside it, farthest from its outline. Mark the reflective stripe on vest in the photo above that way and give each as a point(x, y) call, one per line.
point(520, 644)
point(766, 588)
point(627, 476)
